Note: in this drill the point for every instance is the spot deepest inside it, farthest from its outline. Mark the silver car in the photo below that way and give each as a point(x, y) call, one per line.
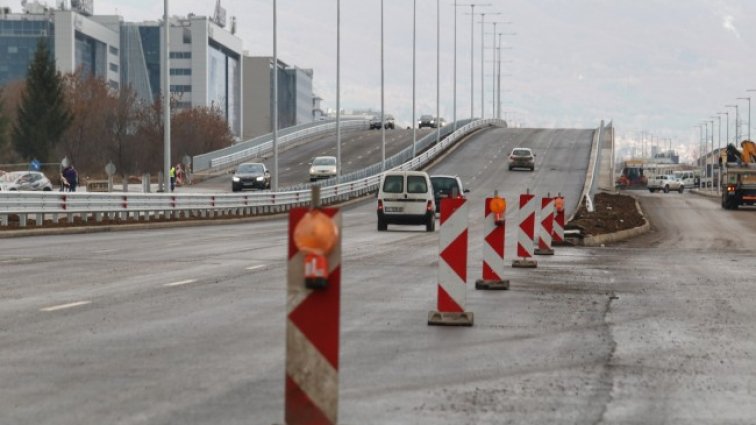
point(25, 180)
point(323, 167)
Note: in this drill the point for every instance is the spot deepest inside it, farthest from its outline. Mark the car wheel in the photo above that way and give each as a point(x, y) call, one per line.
point(234, 189)
point(532, 168)
point(430, 226)
point(510, 168)
point(666, 188)
point(47, 189)
point(382, 226)
point(681, 189)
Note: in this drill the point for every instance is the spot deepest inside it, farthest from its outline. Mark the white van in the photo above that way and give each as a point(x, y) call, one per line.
point(406, 197)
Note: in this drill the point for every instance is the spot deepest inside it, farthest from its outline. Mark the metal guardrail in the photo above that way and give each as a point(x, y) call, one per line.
point(398, 158)
point(150, 206)
point(262, 145)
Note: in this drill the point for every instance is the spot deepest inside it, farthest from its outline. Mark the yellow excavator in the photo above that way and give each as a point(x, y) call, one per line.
point(739, 176)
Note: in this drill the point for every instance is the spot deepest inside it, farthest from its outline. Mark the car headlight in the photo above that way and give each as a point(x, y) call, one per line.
point(312, 170)
point(261, 178)
point(236, 179)
point(432, 121)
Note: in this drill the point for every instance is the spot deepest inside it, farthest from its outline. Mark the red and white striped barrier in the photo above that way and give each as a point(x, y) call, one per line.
point(312, 334)
point(452, 266)
point(558, 233)
point(494, 230)
point(546, 227)
point(526, 232)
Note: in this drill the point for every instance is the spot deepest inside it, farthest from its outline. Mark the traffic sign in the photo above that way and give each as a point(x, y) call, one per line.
point(35, 165)
point(110, 169)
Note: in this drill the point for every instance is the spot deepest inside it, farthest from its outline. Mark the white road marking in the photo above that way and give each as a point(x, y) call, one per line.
point(258, 267)
point(65, 306)
point(182, 282)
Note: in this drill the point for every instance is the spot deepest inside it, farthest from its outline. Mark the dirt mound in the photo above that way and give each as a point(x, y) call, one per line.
point(612, 213)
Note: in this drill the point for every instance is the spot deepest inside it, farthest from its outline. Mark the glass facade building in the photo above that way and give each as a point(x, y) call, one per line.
point(18, 42)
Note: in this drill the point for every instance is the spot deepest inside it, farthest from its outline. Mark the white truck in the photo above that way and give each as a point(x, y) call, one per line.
point(665, 183)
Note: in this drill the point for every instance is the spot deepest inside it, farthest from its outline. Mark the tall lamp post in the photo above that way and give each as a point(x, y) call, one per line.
point(472, 12)
point(274, 184)
point(712, 156)
point(472, 56)
point(383, 120)
point(482, 61)
point(166, 101)
point(749, 114)
point(338, 91)
point(737, 122)
point(438, 71)
point(719, 151)
point(414, 74)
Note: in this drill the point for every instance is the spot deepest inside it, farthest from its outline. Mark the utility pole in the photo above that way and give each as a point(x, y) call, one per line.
point(166, 100)
point(275, 98)
point(383, 119)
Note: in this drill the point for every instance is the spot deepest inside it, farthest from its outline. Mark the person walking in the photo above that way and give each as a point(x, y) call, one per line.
point(70, 178)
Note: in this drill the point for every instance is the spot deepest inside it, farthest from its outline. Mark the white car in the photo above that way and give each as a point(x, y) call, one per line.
point(666, 183)
point(323, 167)
point(24, 180)
point(406, 197)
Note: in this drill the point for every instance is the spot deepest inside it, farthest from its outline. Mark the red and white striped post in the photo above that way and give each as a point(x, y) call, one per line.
point(558, 233)
point(312, 332)
point(526, 232)
point(546, 227)
point(494, 229)
point(452, 266)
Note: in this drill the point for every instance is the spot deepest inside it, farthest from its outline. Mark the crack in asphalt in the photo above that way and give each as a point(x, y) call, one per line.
point(607, 375)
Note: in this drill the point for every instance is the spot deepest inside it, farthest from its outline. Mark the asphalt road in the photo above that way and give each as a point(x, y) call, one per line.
point(358, 150)
point(187, 325)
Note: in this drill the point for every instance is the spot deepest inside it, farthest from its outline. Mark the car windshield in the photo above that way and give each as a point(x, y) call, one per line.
point(393, 184)
point(324, 161)
point(251, 168)
point(521, 152)
point(444, 185)
point(426, 117)
point(417, 184)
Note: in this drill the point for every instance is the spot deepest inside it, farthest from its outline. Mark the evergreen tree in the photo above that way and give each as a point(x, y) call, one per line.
point(43, 114)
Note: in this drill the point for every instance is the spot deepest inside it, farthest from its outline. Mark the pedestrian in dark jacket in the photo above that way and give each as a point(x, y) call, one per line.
point(72, 177)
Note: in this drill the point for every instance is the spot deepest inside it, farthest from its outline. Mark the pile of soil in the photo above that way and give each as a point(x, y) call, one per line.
point(612, 213)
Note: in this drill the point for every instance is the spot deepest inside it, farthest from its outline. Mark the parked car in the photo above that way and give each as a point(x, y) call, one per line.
point(406, 197)
point(250, 175)
point(443, 186)
point(322, 167)
point(390, 122)
point(522, 158)
point(24, 180)
point(666, 183)
point(430, 122)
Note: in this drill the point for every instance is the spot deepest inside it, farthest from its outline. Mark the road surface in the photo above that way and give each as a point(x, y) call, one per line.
point(187, 325)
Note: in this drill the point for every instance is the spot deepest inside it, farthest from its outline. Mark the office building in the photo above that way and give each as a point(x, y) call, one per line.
point(205, 64)
point(296, 101)
point(76, 39)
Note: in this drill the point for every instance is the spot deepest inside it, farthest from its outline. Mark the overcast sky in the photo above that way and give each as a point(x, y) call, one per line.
point(662, 66)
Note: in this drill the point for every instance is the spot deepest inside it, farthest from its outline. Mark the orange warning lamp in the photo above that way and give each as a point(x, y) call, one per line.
point(315, 235)
point(559, 203)
point(498, 207)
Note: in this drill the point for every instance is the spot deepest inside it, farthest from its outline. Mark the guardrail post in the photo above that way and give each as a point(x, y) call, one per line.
point(22, 220)
point(39, 219)
point(146, 183)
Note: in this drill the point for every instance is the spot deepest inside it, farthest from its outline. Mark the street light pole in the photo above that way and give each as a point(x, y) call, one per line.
point(719, 153)
point(383, 120)
point(749, 114)
point(438, 71)
point(737, 122)
point(711, 154)
point(414, 73)
point(166, 101)
point(472, 61)
point(274, 184)
point(338, 91)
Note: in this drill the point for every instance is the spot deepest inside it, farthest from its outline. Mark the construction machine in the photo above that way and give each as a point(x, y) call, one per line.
point(739, 176)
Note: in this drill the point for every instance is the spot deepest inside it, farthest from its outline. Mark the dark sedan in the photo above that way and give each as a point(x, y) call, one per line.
point(250, 176)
